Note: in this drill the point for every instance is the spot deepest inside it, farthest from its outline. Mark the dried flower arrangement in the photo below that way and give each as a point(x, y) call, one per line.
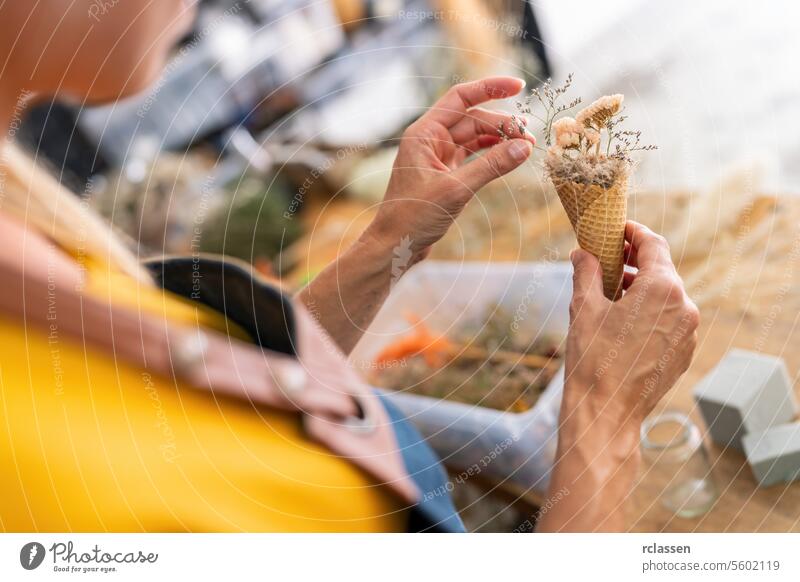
point(588, 160)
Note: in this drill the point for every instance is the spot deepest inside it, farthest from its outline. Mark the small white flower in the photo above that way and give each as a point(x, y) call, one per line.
point(567, 132)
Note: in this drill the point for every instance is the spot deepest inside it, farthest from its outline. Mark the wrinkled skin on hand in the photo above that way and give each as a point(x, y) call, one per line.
point(622, 357)
point(625, 355)
point(433, 178)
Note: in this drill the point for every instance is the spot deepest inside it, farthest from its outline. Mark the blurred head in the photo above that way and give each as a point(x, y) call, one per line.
point(98, 50)
point(92, 50)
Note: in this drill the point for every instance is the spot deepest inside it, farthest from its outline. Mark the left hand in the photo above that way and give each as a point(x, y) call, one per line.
point(622, 357)
point(430, 182)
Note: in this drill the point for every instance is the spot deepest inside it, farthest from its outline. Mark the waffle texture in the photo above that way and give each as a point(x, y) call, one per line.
point(598, 217)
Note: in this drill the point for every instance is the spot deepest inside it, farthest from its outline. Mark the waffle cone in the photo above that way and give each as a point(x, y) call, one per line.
point(598, 217)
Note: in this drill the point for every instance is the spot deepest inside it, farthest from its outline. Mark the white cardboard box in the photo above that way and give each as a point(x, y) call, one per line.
point(746, 392)
point(774, 454)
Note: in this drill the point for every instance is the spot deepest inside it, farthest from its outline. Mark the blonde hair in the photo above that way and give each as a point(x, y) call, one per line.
point(37, 198)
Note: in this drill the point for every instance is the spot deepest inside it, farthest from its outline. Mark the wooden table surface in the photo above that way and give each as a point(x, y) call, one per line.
point(742, 506)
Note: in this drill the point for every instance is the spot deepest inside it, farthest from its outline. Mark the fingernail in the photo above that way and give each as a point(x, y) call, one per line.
point(520, 150)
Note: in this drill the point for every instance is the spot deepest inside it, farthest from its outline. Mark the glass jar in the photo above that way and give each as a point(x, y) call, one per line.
point(676, 466)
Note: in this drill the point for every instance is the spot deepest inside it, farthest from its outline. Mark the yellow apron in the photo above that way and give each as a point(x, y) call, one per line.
point(90, 444)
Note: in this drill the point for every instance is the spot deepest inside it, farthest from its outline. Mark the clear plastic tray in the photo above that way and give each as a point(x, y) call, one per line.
point(473, 440)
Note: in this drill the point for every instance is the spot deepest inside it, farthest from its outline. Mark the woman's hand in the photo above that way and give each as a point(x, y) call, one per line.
point(624, 356)
point(431, 183)
point(621, 358)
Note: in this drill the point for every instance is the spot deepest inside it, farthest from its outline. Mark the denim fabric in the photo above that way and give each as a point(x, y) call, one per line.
point(435, 512)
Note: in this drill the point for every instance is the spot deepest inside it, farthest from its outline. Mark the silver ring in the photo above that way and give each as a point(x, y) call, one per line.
point(290, 378)
point(189, 351)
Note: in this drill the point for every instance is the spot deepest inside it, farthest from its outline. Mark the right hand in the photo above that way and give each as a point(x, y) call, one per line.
point(434, 177)
point(623, 356)
point(432, 180)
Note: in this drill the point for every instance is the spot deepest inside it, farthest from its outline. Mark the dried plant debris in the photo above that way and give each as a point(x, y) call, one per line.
point(486, 364)
point(589, 169)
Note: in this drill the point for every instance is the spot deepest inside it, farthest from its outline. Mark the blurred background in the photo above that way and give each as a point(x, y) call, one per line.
point(271, 135)
point(271, 109)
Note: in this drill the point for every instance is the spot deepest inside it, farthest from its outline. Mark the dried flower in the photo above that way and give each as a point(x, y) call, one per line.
point(567, 133)
point(629, 141)
point(516, 128)
point(599, 113)
point(579, 138)
point(592, 136)
point(548, 96)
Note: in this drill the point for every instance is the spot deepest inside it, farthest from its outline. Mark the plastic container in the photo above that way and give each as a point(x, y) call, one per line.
point(502, 446)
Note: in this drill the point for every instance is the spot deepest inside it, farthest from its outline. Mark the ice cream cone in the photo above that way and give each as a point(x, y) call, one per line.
point(598, 215)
